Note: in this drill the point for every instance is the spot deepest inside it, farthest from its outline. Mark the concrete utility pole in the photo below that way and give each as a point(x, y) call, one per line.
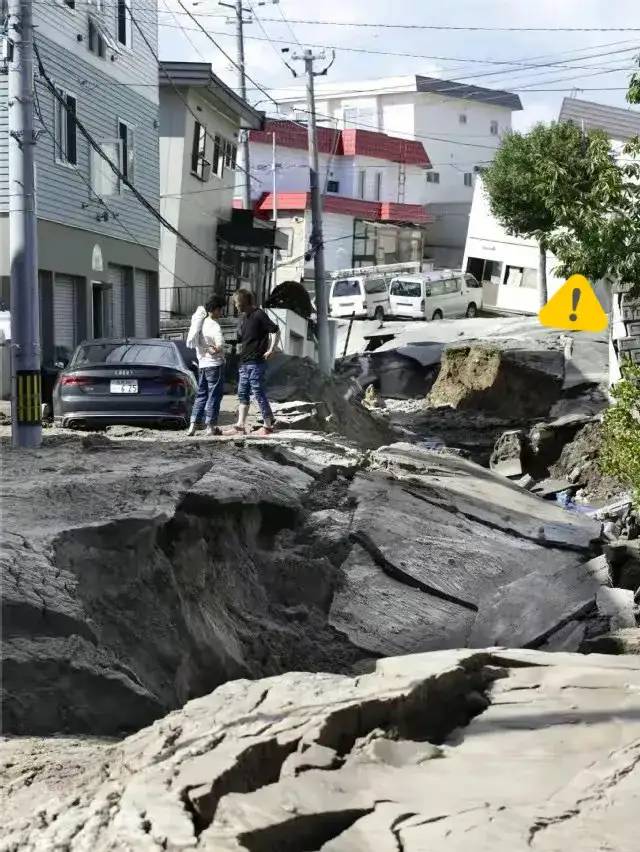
point(26, 393)
point(317, 239)
point(242, 86)
point(274, 180)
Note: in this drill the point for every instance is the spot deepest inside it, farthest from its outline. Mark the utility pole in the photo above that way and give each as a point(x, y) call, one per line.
point(26, 393)
point(245, 163)
point(317, 239)
point(274, 179)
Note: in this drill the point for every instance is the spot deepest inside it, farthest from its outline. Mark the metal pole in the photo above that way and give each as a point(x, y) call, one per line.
point(274, 270)
point(26, 393)
point(244, 134)
point(317, 245)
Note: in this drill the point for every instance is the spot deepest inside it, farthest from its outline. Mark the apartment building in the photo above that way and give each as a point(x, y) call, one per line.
point(97, 244)
point(461, 126)
point(370, 215)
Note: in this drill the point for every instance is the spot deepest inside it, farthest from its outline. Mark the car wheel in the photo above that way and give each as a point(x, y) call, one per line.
point(472, 310)
point(379, 314)
point(437, 315)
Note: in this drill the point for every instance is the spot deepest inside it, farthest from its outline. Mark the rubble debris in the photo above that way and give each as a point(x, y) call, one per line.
point(620, 642)
point(579, 462)
point(302, 415)
point(290, 378)
point(515, 384)
point(373, 398)
point(420, 754)
point(507, 455)
point(617, 605)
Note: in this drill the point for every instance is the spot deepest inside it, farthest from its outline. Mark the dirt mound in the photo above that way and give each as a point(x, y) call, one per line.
point(513, 383)
point(299, 379)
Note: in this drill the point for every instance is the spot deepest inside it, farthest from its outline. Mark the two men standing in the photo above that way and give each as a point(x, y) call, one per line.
point(258, 337)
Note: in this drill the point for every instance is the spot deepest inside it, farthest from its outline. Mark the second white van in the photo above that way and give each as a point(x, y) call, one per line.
point(359, 296)
point(439, 295)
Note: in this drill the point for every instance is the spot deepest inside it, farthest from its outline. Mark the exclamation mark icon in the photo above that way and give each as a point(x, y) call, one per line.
point(575, 298)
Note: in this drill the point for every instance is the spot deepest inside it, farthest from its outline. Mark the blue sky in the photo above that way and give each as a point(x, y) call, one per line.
point(599, 63)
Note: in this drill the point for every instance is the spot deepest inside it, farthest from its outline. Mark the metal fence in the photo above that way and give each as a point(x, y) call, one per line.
point(182, 301)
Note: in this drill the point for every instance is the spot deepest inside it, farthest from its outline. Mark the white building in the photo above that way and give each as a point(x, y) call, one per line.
point(200, 120)
point(459, 124)
point(507, 265)
point(364, 176)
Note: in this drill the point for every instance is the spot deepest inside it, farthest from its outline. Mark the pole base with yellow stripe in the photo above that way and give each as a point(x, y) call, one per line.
point(28, 398)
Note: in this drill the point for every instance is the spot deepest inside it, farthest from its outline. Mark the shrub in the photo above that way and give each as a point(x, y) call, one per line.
point(620, 455)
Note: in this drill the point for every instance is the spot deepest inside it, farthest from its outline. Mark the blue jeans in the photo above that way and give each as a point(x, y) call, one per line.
point(251, 382)
point(209, 396)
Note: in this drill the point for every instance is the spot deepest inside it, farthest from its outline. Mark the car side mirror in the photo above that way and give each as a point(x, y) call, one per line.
point(427, 292)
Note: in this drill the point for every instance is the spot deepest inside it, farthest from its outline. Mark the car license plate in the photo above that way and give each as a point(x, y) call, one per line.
point(124, 386)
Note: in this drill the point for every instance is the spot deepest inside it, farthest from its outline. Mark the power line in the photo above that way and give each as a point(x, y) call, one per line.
point(374, 52)
point(443, 27)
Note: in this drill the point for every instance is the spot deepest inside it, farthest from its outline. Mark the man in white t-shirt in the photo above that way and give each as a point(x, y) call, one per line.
point(205, 336)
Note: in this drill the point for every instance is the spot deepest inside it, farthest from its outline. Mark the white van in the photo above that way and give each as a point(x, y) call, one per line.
point(438, 295)
point(360, 296)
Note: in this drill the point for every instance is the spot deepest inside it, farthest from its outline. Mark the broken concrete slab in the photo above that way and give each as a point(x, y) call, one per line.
point(488, 498)
point(525, 612)
point(617, 605)
point(420, 754)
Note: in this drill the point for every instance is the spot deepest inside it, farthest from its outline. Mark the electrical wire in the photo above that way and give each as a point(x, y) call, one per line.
point(442, 27)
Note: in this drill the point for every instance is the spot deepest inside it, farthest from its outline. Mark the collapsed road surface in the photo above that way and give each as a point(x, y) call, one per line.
point(142, 574)
point(448, 751)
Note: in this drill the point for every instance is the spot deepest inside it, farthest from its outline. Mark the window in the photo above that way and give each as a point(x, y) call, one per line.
point(198, 152)
point(126, 160)
point(217, 166)
point(407, 289)
point(433, 177)
point(521, 276)
point(124, 22)
point(375, 285)
point(494, 128)
point(362, 183)
point(485, 270)
point(65, 129)
point(70, 4)
point(104, 181)
point(347, 287)
point(230, 155)
point(462, 118)
point(468, 178)
point(452, 285)
point(95, 40)
point(378, 188)
point(333, 186)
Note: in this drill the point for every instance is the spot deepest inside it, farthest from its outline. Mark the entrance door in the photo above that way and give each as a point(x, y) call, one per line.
point(102, 309)
point(64, 316)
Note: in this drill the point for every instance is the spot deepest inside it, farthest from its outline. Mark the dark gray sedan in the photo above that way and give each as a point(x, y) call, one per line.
point(125, 381)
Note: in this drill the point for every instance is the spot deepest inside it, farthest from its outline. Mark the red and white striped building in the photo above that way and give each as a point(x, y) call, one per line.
point(368, 177)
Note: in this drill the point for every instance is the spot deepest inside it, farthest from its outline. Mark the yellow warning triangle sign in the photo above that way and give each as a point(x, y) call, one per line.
point(574, 307)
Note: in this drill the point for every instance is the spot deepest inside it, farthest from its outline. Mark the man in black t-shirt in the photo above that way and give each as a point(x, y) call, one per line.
point(258, 337)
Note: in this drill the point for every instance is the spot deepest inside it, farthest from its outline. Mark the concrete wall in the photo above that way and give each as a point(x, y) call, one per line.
point(293, 333)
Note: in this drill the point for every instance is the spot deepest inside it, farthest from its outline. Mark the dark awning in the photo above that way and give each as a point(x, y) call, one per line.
point(245, 230)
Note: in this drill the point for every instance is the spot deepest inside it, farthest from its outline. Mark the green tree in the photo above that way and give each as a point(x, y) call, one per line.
point(542, 182)
point(603, 242)
point(620, 455)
